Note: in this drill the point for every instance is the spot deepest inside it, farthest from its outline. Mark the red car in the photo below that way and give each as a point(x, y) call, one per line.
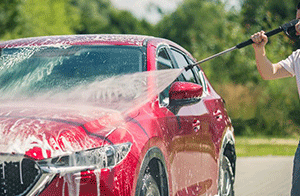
point(110, 115)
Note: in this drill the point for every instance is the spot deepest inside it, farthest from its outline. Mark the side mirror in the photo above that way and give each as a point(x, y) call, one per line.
point(185, 93)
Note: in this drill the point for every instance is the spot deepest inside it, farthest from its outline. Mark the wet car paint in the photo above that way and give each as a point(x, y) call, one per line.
point(190, 140)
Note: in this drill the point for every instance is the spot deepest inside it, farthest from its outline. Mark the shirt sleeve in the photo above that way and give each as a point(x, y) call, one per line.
point(289, 63)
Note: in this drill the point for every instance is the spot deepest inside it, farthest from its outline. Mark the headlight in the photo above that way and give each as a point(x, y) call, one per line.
point(98, 158)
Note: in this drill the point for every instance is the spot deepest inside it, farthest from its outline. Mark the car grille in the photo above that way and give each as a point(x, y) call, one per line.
point(16, 178)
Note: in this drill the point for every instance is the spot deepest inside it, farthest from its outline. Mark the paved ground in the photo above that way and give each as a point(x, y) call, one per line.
point(265, 176)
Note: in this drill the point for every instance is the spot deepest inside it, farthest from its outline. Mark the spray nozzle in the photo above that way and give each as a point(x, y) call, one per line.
point(290, 25)
point(290, 30)
point(189, 66)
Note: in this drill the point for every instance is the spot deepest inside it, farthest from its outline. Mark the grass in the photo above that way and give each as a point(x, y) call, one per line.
point(265, 146)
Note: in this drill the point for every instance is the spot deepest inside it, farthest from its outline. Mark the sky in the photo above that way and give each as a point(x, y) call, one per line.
point(140, 8)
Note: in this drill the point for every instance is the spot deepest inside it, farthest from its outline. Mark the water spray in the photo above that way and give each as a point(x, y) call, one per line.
point(288, 28)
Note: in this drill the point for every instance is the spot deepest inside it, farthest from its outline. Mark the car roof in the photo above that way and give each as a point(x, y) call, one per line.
point(89, 39)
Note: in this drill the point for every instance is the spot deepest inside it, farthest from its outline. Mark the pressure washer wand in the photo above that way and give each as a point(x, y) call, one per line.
point(286, 27)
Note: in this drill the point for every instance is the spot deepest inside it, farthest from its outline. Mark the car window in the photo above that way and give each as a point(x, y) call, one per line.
point(182, 62)
point(45, 68)
point(202, 79)
point(164, 62)
point(196, 71)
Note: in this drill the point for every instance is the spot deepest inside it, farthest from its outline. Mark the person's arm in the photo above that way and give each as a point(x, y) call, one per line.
point(266, 68)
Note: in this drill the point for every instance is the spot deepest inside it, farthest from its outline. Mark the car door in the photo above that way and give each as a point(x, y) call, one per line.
point(210, 136)
point(170, 123)
point(178, 126)
point(193, 119)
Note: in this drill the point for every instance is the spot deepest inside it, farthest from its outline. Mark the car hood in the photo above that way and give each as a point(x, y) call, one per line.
point(46, 130)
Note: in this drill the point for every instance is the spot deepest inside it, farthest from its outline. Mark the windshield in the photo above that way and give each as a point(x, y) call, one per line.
point(34, 70)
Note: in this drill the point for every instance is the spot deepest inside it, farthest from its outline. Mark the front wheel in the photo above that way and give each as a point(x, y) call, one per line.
point(226, 178)
point(149, 186)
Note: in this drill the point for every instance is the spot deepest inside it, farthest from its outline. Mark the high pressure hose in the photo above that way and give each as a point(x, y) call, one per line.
point(288, 28)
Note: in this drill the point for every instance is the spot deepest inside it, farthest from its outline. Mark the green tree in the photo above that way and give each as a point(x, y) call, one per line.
point(9, 13)
point(99, 16)
point(206, 28)
point(278, 100)
point(39, 18)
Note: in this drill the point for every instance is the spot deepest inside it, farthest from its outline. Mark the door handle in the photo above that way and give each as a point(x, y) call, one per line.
point(218, 115)
point(196, 125)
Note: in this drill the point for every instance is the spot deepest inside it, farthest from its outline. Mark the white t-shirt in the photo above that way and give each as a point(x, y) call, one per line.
point(292, 65)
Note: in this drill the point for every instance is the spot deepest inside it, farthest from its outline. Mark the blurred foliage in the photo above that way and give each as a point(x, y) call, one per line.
point(29, 18)
point(36, 18)
point(9, 11)
point(204, 27)
point(99, 16)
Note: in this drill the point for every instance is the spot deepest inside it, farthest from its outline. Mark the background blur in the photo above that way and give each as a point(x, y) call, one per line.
point(203, 27)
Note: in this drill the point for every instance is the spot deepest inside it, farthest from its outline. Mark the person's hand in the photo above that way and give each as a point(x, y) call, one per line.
point(260, 40)
point(297, 27)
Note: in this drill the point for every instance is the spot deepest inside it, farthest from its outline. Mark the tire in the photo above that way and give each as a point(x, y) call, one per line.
point(153, 177)
point(149, 186)
point(226, 178)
